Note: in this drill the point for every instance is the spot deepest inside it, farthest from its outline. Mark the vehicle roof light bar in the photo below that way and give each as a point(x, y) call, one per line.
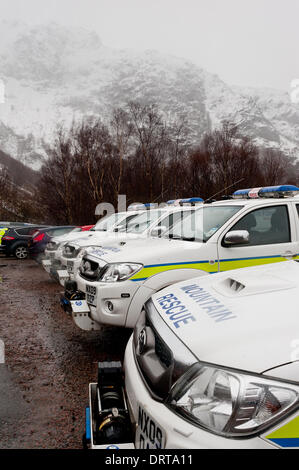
point(191, 201)
point(286, 190)
point(142, 207)
point(173, 202)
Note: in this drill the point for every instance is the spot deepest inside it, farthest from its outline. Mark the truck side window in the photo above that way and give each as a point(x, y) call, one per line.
point(175, 218)
point(170, 219)
point(266, 226)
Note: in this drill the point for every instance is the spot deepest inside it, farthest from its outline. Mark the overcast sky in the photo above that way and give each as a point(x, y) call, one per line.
point(246, 42)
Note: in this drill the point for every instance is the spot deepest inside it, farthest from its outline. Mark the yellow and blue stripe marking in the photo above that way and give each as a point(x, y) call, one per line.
point(287, 435)
point(236, 263)
point(206, 265)
point(152, 269)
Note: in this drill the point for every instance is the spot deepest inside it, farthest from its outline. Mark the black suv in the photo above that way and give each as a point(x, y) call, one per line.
point(15, 240)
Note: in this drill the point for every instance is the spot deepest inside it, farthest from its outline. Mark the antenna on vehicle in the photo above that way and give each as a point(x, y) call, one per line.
point(160, 195)
point(224, 189)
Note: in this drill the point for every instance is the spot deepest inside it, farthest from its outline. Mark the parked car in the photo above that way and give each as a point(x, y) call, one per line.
point(38, 242)
point(15, 240)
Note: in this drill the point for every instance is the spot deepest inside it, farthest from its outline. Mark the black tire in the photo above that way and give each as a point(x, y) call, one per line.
point(21, 252)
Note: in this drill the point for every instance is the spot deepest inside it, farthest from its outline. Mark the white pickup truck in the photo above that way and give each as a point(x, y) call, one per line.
point(258, 226)
point(150, 223)
point(109, 225)
point(214, 362)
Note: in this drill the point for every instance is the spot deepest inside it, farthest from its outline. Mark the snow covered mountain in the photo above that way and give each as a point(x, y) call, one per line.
point(55, 75)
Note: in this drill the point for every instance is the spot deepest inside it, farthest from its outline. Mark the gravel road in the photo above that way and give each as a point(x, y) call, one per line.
point(48, 361)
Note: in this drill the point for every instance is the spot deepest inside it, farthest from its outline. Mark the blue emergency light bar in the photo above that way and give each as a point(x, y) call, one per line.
point(173, 202)
point(191, 201)
point(286, 190)
point(140, 207)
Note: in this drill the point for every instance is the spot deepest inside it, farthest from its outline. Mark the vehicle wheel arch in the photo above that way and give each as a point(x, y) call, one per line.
point(154, 284)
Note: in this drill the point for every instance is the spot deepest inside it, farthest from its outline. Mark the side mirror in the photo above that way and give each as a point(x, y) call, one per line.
point(236, 237)
point(158, 231)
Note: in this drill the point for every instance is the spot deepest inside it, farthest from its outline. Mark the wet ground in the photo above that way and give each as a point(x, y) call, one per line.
point(49, 362)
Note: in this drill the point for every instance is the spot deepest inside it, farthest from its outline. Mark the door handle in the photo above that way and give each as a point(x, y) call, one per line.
point(289, 255)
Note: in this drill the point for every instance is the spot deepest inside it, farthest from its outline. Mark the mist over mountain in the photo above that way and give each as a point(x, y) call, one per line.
point(54, 74)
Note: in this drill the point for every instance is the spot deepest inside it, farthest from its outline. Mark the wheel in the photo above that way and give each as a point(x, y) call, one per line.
point(21, 252)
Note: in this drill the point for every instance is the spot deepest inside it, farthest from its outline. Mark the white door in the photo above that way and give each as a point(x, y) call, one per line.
point(272, 238)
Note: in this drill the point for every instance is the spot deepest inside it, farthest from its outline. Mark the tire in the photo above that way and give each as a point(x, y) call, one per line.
point(21, 252)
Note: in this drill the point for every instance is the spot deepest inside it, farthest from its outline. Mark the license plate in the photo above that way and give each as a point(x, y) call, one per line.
point(91, 295)
point(149, 434)
point(52, 256)
point(79, 306)
point(70, 266)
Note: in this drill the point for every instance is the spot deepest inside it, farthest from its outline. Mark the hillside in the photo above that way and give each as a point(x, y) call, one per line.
point(54, 75)
point(20, 174)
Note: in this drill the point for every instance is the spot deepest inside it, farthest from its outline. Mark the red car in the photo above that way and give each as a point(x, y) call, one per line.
point(82, 228)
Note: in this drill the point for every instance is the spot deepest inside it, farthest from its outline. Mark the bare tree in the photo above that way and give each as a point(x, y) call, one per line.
point(122, 132)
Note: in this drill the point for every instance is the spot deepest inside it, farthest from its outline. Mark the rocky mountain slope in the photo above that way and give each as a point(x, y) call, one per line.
point(55, 75)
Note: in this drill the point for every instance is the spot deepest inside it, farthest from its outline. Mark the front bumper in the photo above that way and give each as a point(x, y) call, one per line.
point(179, 434)
point(52, 267)
point(79, 310)
point(70, 266)
point(46, 263)
point(119, 294)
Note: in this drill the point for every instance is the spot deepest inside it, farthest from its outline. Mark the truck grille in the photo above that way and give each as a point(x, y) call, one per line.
point(160, 355)
point(69, 251)
point(90, 269)
point(52, 246)
point(162, 351)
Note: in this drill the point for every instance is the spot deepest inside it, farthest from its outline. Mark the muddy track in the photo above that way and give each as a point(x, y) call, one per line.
point(48, 361)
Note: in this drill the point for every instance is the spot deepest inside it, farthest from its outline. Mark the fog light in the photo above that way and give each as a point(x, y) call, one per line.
point(109, 306)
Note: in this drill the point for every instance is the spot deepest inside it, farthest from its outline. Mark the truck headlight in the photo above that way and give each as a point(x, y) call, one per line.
point(71, 251)
point(231, 403)
point(119, 272)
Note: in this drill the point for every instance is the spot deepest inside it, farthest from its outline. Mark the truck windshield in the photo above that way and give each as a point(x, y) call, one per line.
point(107, 222)
point(123, 225)
point(142, 221)
point(201, 224)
